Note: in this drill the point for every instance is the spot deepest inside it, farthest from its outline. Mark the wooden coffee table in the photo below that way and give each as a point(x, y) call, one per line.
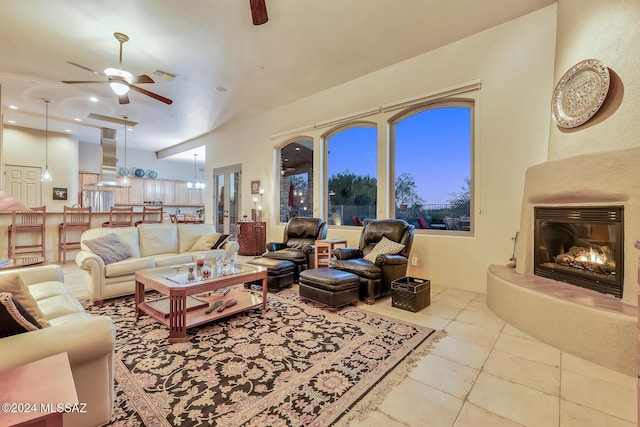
point(171, 282)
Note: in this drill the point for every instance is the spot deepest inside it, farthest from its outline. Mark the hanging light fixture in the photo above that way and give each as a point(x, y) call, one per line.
point(125, 179)
point(46, 175)
point(195, 184)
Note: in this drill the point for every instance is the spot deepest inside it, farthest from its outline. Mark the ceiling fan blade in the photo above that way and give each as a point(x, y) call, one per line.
point(85, 68)
point(258, 11)
point(143, 78)
point(75, 82)
point(123, 99)
point(151, 94)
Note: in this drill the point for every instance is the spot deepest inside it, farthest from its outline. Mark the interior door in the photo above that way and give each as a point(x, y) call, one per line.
point(226, 198)
point(23, 183)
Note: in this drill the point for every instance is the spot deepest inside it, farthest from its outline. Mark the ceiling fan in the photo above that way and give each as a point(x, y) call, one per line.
point(120, 80)
point(258, 12)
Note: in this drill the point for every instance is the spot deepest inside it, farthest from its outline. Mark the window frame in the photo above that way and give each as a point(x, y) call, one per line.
point(411, 111)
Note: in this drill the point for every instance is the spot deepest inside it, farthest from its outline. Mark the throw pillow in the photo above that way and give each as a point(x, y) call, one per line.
point(205, 242)
point(221, 241)
point(384, 246)
point(109, 248)
point(14, 319)
point(12, 284)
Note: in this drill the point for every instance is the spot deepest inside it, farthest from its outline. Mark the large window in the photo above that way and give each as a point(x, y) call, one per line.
point(352, 165)
point(432, 169)
point(296, 179)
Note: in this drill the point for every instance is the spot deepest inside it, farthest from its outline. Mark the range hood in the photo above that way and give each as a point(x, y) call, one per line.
point(108, 166)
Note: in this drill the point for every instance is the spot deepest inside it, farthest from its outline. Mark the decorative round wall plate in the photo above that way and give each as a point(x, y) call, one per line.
point(153, 174)
point(580, 93)
point(139, 173)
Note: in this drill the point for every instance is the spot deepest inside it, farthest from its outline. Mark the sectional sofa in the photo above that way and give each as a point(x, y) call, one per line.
point(149, 245)
point(89, 341)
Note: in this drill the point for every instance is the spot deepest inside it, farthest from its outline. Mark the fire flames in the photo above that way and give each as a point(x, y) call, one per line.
point(592, 257)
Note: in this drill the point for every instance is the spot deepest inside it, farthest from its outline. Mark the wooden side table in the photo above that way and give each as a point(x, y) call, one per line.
point(324, 249)
point(252, 237)
point(38, 393)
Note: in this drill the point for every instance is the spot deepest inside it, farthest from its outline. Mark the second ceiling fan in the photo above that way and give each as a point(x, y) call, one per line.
point(121, 81)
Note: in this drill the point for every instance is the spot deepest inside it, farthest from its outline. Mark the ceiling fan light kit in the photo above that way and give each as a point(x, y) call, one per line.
point(121, 81)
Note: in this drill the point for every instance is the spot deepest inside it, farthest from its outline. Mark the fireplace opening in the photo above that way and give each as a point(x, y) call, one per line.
point(582, 246)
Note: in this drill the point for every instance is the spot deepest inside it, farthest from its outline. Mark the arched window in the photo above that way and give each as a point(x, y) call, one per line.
point(432, 149)
point(352, 178)
point(296, 179)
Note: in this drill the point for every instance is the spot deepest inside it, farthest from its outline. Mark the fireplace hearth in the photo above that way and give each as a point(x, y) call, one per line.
point(582, 246)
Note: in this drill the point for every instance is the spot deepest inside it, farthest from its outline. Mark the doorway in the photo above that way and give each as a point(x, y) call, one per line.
point(23, 184)
point(226, 198)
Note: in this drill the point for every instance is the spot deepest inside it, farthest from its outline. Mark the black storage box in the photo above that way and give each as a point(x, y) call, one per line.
point(410, 293)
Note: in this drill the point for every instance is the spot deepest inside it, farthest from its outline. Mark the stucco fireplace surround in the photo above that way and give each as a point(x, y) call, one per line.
point(586, 323)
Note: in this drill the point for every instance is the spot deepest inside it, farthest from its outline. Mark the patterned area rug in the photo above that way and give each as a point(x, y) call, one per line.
point(295, 365)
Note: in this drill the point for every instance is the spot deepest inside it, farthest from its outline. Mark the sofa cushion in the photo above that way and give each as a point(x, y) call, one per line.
point(110, 248)
point(60, 305)
point(14, 319)
point(13, 284)
point(158, 239)
point(48, 289)
point(163, 260)
point(384, 247)
point(224, 238)
point(188, 234)
point(205, 242)
point(128, 266)
point(127, 235)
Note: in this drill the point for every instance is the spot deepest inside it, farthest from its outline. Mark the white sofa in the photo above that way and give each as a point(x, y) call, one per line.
point(89, 342)
point(151, 245)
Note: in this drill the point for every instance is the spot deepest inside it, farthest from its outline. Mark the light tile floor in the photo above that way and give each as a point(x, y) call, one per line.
point(485, 372)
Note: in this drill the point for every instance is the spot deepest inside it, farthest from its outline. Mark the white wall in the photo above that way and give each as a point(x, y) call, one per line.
point(90, 160)
point(514, 62)
point(607, 31)
point(26, 147)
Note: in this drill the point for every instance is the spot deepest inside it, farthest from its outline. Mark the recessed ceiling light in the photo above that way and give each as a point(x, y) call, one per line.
point(13, 107)
point(67, 130)
point(78, 119)
point(93, 99)
point(297, 148)
point(13, 122)
point(221, 89)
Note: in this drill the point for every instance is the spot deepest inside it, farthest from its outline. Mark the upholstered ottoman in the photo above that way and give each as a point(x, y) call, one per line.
point(279, 273)
point(329, 286)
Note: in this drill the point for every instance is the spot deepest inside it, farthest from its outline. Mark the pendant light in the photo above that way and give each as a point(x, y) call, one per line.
point(125, 179)
point(195, 185)
point(46, 175)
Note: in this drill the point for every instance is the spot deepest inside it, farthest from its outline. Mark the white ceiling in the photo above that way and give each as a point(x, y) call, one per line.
point(307, 46)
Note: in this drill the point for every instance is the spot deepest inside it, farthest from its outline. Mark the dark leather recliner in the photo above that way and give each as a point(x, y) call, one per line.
point(298, 245)
point(376, 277)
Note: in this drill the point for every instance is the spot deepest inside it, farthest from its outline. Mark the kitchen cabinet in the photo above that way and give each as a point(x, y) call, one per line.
point(251, 237)
point(153, 191)
point(195, 198)
point(169, 192)
point(181, 193)
point(86, 178)
point(136, 192)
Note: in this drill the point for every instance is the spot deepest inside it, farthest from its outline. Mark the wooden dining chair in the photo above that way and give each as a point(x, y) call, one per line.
point(30, 221)
point(74, 219)
point(151, 215)
point(119, 217)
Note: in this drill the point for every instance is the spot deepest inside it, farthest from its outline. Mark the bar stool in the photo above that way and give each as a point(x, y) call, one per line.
point(73, 219)
point(30, 221)
point(119, 217)
point(151, 215)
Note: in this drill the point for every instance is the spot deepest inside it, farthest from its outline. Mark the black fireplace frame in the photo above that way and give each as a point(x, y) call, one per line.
point(583, 214)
